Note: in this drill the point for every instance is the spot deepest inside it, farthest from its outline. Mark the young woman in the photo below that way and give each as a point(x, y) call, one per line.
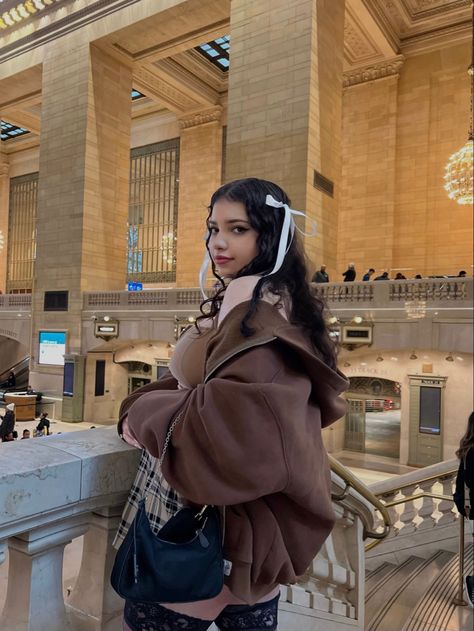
point(465, 476)
point(254, 383)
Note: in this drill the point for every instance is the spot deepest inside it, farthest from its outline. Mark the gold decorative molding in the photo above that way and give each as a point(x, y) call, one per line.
point(373, 72)
point(200, 118)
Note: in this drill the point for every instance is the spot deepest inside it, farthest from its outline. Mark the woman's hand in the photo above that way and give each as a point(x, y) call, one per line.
point(127, 434)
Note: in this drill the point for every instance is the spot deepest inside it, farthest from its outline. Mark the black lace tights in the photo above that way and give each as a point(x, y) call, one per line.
point(154, 617)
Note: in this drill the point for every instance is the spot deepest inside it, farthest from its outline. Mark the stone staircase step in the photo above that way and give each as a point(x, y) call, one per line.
point(374, 577)
point(436, 611)
point(400, 590)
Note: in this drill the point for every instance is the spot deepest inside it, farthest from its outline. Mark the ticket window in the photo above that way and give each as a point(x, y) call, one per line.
point(426, 412)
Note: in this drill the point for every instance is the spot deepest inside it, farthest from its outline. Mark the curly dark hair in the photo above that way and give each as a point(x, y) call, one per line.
point(292, 278)
point(467, 441)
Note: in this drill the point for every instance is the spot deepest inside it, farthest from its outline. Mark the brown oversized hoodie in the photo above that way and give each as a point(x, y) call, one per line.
point(250, 439)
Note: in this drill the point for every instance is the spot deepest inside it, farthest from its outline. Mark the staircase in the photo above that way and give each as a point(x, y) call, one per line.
point(418, 594)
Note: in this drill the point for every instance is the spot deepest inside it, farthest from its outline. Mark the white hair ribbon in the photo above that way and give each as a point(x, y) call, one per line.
point(203, 273)
point(287, 231)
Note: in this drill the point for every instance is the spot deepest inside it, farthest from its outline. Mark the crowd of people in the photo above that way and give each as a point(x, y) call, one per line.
point(8, 432)
point(350, 275)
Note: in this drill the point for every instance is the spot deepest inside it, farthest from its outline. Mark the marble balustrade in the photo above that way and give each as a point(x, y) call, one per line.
point(422, 512)
point(60, 487)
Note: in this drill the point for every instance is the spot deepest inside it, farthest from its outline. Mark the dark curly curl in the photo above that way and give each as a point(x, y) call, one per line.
point(290, 280)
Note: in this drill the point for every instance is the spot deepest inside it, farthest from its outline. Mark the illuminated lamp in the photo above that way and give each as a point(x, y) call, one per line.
point(458, 176)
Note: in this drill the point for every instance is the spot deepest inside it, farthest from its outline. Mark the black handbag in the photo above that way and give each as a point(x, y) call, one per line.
point(182, 563)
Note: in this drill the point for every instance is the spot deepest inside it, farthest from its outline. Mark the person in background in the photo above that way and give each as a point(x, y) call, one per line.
point(10, 437)
point(11, 380)
point(368, 274)
point(321, 276)
point(42, 428)
point(8, 423)
point(400, 276)
point(418, 277)
point(26, 434)
point(383, 276)
point(462, 274)
point(350, 273)
point(465, 476)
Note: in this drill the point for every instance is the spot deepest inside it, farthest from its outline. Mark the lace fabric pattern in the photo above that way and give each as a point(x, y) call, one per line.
point(155, 617)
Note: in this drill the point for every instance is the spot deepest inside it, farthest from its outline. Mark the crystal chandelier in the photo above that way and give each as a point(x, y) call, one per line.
point(459, 169)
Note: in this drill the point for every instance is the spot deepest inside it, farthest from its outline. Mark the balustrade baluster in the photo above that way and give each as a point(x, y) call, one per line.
point(427, 508)
point(445, 507)
point(92, 593)
point(393, 513)
point(35, 590)
point(409, 512)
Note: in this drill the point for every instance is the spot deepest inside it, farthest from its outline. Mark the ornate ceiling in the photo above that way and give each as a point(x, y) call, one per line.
point(378, 35)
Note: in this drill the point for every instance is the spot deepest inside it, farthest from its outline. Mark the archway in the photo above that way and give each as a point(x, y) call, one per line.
point(373, 417)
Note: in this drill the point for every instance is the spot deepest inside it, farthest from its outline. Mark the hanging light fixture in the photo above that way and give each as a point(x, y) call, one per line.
point(459, 169)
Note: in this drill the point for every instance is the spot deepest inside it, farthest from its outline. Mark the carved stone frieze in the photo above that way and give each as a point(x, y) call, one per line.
point(200, 118)
point(161, 91)
point(373, 72)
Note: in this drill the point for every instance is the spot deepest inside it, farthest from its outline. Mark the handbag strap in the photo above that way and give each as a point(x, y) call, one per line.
point(173, 424)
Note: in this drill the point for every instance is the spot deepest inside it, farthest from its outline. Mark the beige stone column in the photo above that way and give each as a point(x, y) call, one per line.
point(83, 188)
point(284, 109)
point(4, 212)
point(367, 213)
point(200, 172)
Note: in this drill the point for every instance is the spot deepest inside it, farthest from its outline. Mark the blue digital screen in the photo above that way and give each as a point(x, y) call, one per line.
point(135, 286)
point(52, 347)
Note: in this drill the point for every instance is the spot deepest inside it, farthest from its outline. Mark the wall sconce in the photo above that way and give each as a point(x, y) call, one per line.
point(332, 320)
point(413, 355)
point(379, 359)
point(449, 358)
point(357, 319)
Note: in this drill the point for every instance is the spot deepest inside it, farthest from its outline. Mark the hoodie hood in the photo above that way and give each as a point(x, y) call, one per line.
point(270, 326)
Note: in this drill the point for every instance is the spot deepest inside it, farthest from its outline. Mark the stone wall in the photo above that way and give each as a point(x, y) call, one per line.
point(398, 134)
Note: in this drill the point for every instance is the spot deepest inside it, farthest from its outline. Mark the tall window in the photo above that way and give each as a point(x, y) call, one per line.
point(22, 233)
point(153, 212)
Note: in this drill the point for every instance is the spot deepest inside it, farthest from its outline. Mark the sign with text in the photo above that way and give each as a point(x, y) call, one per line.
point(52, 347)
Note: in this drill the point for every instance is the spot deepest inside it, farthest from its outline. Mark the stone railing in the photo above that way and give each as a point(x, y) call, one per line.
point(15, 302)
point(422, 512)
point(172, 299)
point(433, 291)
point(55, 489)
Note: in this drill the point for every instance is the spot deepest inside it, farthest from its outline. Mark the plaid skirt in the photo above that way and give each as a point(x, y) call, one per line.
point(162, 501)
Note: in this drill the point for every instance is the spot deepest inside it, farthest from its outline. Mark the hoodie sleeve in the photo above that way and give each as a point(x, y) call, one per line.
point(165, 382)
point(228, 446)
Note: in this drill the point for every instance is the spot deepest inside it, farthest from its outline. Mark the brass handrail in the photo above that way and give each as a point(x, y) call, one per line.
point(418, 496)
point(352, 481)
